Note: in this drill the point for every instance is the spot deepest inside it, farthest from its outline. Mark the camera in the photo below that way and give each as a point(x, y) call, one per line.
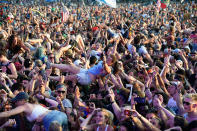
point(127, 112)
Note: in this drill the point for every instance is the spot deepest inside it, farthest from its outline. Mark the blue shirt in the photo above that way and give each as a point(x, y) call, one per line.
point(97, 69)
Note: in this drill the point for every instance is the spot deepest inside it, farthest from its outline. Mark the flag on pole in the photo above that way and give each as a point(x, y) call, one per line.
point(111, 3)
point(64, 14)
point(164, 3)
point(158, 5)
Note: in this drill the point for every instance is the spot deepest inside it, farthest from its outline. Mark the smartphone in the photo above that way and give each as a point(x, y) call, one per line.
point(127, 112)
point(139, 100)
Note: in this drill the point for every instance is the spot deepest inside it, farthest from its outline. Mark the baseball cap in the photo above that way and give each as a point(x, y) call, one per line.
point(20, 96)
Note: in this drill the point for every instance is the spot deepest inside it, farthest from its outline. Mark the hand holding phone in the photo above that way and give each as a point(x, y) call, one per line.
point(127, 112)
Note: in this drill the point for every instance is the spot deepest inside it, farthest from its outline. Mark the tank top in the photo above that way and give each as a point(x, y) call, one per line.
point(37, 111)
point(105, 128)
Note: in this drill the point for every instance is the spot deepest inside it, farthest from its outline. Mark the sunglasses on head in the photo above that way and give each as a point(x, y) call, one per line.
point(61, 92)
point(186, 103)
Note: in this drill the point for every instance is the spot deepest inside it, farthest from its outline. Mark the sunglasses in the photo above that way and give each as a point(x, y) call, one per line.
point(61, 92)
point(186, 103)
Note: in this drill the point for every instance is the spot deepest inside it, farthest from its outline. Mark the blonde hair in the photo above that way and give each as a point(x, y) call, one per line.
point(192, 96)
point(108, 116)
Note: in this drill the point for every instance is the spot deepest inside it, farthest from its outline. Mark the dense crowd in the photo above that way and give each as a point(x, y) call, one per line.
point(127, 68)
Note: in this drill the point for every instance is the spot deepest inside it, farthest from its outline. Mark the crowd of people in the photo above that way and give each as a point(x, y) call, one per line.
point(133, 67)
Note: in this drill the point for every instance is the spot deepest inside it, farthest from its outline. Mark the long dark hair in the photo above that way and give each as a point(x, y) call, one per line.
point(11, 41)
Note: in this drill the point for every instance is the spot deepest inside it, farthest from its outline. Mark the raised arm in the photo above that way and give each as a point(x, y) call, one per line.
point(114, 80)
point(167, 112)
point(184, 60)
point(62, 50)
point(115, 106)
point(131, 79)
point(119, 81)
point(164, 70)
point(145, 121)
point(84, 125)
point(162, 85)
point(115, 46)
point(14, 74)
point(106, 67)
point(12, 112)
point(53, 103)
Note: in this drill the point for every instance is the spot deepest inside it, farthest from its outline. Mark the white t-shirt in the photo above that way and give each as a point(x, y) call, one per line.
point(171, 103)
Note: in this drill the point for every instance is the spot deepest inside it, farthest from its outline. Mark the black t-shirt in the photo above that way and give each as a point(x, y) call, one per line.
point(192, 79)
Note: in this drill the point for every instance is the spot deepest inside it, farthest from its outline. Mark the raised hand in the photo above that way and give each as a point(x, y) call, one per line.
point(135, 113)
point(10, 123)
point(3, 81)
point(111, 96)
point(92, 106)
point(121, 66)
point(62, 78)
point(58, 99)
point(77, 93)
point(157, 102)
point(3, 95)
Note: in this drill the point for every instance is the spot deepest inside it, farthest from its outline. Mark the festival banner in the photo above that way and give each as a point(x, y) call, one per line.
point(111, 3)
